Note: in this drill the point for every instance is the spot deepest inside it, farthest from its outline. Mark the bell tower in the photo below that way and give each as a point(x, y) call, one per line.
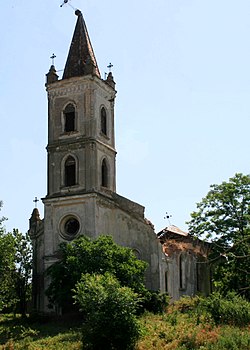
point(81, 145)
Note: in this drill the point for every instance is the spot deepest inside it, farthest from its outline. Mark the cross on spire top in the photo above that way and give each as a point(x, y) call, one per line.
point(35, 201)
point(110, 67)
point(64, 2)
point(67, 2)
point(168, 216)
point(53, 58)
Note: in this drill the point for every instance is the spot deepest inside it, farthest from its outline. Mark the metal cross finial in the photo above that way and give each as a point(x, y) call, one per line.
point(168, 216)
point(53, 58)
point(35, 201)
point(110, 67)
point(67, 2)
point(64, 2)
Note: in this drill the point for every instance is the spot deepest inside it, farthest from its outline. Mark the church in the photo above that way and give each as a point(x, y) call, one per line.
point(81, 172)
point(81, 184)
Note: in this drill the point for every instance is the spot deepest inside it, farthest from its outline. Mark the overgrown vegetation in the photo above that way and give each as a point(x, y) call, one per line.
point(15, 269)
point(223, 217)
point(189, 324)
point(86, 256)
point(107, 283)
point(109, 311)
point(98, 256)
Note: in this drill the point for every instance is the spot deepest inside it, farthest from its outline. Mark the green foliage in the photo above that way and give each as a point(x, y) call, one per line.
point(154, 301)
point(15, 269)
point(7, 271)
point(23, 263)
point(109, 311)
point(173, 330)
point(28, 334)
point(232, 339)
point(180, 331)
point(83, 256)
point(223, 217)
point(187, 304)
point(232, 309)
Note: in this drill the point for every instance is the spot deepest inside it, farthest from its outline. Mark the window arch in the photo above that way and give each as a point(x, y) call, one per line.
point(69, 118)
point(104, 179)
point(137, 253)
point(70, 171)
point(104, 121)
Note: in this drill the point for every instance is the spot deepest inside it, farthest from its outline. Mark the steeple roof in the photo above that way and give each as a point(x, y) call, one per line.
point(81, 58)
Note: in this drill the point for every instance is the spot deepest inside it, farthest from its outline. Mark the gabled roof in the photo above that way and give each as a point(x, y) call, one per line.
point(81, 58)
point(172, 229)
point(174, 239)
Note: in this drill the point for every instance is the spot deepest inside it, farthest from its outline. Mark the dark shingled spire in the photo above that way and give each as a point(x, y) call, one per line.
point(81, 58)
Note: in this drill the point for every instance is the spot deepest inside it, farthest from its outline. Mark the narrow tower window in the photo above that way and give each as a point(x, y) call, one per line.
point(182, 277)
point(104, 182)
point(70, 171)
point(69, 118)
point(103, 121)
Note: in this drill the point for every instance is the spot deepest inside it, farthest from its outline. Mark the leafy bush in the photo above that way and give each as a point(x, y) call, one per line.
point(94, 257)
point(155, 301)
point(232, 339)
point(187, 304)
point(109, 311)
point(231, 309)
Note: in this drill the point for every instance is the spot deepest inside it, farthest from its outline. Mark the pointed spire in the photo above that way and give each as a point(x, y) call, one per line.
point(51, 76)
point(81, 58)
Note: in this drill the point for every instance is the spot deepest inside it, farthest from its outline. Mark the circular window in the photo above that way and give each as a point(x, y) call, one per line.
point(72, 226)
point(69, 227)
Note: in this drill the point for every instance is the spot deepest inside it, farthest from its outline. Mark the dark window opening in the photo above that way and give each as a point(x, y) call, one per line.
point(69, 116)
point(103, 121)
point(104, 174)
point(72, 226)
point(182, 272)
point(70, 172)
point(200, 273)
point(166, 282)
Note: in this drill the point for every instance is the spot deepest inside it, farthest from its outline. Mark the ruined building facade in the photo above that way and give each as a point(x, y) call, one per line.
point(81, 193)
point(186, 268)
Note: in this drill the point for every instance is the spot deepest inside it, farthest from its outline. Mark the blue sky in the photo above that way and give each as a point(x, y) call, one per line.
point(182, 70)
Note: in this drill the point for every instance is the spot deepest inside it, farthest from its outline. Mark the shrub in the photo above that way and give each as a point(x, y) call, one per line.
point(155, 301)
point(109, 313)
point(187, 304)
point(101, 255)
point(231, 309)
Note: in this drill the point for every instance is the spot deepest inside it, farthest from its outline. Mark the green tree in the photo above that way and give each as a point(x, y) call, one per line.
point(223, 217)
point(109, 311)
point(23, 264)
point(98, 256)
point(15, 269)
point(7, 267)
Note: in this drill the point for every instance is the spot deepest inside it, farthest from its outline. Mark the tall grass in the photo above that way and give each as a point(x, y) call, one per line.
point(186, 325)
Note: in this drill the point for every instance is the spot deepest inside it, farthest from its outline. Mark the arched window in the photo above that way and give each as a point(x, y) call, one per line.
point(103, 121)
point(137, 253)
point(69, 118)
point(104, 179)
point(70, 171)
